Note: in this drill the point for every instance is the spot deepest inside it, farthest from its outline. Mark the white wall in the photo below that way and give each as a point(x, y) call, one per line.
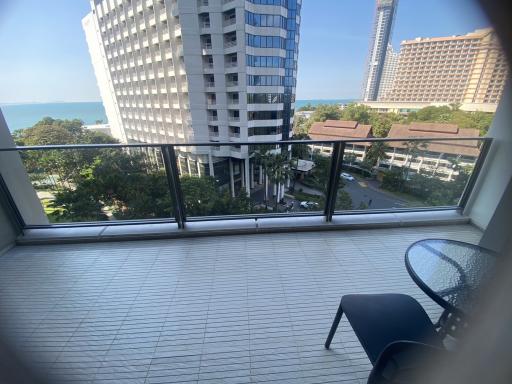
point(490, 190)
point(16, 178)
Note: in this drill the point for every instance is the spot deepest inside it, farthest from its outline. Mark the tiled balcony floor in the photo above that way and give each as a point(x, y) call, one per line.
point(238, 309)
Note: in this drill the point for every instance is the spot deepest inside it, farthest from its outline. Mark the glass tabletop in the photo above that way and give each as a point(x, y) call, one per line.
point(450, 272)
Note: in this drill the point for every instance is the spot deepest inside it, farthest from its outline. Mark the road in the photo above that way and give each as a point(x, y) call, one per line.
point(359, 191)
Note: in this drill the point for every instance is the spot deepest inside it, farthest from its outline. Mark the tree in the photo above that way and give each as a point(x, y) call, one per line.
point(382, 123)
point(300, 128)
point(76, 205)
point(377, 151)
point(307, 107)
point(300, 151)
point(61, 166)
point(454, 115)
point(412, 151)
point(350, 158)
point(325, 112)
point(279, 172)
point(357, 112)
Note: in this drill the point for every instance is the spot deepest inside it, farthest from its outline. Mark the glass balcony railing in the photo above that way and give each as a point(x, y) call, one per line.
point(115, 183)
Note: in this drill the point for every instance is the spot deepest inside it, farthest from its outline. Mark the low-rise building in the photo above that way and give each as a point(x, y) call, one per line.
point(406, 107)
point(441, 159)
point(340, 130)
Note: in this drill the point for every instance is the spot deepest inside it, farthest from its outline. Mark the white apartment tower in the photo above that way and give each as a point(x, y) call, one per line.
point(382, 29)
point(388, 73)
point(179, 71)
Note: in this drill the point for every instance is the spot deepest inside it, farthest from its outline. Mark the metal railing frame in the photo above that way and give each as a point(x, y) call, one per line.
point(173, 179)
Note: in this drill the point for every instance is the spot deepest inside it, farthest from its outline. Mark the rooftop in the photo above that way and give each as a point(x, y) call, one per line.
point(418, 130)
point(476, 34)
point(238, 309)
point(339, 129)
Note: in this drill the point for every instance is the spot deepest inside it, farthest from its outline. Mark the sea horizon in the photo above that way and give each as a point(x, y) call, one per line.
point(25, 115)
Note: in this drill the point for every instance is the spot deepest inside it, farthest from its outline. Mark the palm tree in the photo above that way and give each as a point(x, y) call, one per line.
point(280, 171)
point(413, 149)
point(377, 151)
point(277, 168)
point(263, 157)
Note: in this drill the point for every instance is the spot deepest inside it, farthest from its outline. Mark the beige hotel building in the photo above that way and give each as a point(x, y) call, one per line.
point(468, 69)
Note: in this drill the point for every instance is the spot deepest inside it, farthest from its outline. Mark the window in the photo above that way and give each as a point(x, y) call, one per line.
point(265, 80)
point(264, 20)
point(261, 131)
point(282, 3)
point(265, 61)
point(264, 115)
point(258, 41)
point(265, 98)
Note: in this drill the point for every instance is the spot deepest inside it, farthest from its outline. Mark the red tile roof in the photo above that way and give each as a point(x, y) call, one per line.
point(339, 130)
point(419, 130)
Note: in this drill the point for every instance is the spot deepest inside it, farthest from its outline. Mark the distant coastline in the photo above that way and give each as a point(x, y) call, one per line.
point(19, 116)
point(24, 115)
point(315, 102)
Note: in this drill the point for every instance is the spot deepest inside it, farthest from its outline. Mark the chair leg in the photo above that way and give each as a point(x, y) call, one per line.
point(334, 327)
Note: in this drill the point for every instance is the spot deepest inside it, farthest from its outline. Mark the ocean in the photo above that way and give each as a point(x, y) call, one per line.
point(315, 102)
point(19, 116)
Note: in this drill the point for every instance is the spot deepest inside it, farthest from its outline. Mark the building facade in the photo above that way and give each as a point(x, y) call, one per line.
point(388, 73)
point(178, 71)
point(340, 130)
point(379, 45)
point(468, 69)
point(439, 159)
point(406, 107)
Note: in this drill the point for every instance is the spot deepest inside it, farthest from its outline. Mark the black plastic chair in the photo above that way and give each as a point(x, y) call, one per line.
point(395, 332)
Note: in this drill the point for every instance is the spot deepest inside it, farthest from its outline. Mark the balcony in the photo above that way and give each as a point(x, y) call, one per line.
point(230, 44)
point(242, 309)
point(177, 30)
point(228, 21)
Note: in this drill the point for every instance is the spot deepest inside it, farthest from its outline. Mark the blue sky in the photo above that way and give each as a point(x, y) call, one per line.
point(45, 58)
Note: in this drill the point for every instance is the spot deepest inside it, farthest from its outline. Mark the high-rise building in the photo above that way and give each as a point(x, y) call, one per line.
point(468, 69)
point(382, 29)
point(388, 73)
point(196, 71)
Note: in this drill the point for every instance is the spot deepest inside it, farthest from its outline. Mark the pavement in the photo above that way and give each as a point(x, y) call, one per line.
point(364, 192)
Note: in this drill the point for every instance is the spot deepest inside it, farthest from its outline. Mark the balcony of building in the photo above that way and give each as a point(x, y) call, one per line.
point(83, 304)
point(229, 18)
point(230, 40)
point(209, 82)
point(242, 309)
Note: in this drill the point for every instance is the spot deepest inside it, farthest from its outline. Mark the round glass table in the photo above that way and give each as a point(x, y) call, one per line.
point(450, 272)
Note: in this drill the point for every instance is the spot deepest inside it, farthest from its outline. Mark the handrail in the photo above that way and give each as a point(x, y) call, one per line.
point(336, 162)
point(272, 142)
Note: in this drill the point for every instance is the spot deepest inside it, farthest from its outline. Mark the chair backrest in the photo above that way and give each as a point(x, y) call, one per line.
point(404, 362)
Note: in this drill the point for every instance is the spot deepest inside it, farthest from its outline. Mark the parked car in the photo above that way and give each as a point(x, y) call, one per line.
point(347, 176)
point(309, 204)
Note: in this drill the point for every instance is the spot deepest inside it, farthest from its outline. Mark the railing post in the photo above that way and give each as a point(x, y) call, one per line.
point(486, 145)
point(334, 179)
point(173, 179)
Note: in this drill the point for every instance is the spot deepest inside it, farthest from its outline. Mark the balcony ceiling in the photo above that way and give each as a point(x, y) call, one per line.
point(237, 309)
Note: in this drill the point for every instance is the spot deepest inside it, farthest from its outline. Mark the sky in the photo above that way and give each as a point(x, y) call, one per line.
point(45, 57)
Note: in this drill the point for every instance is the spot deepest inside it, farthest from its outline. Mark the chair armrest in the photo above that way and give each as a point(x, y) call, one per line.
point(402, 361)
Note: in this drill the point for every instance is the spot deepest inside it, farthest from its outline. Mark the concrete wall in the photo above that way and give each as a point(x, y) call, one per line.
point(492, 191)
point(16, 178)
